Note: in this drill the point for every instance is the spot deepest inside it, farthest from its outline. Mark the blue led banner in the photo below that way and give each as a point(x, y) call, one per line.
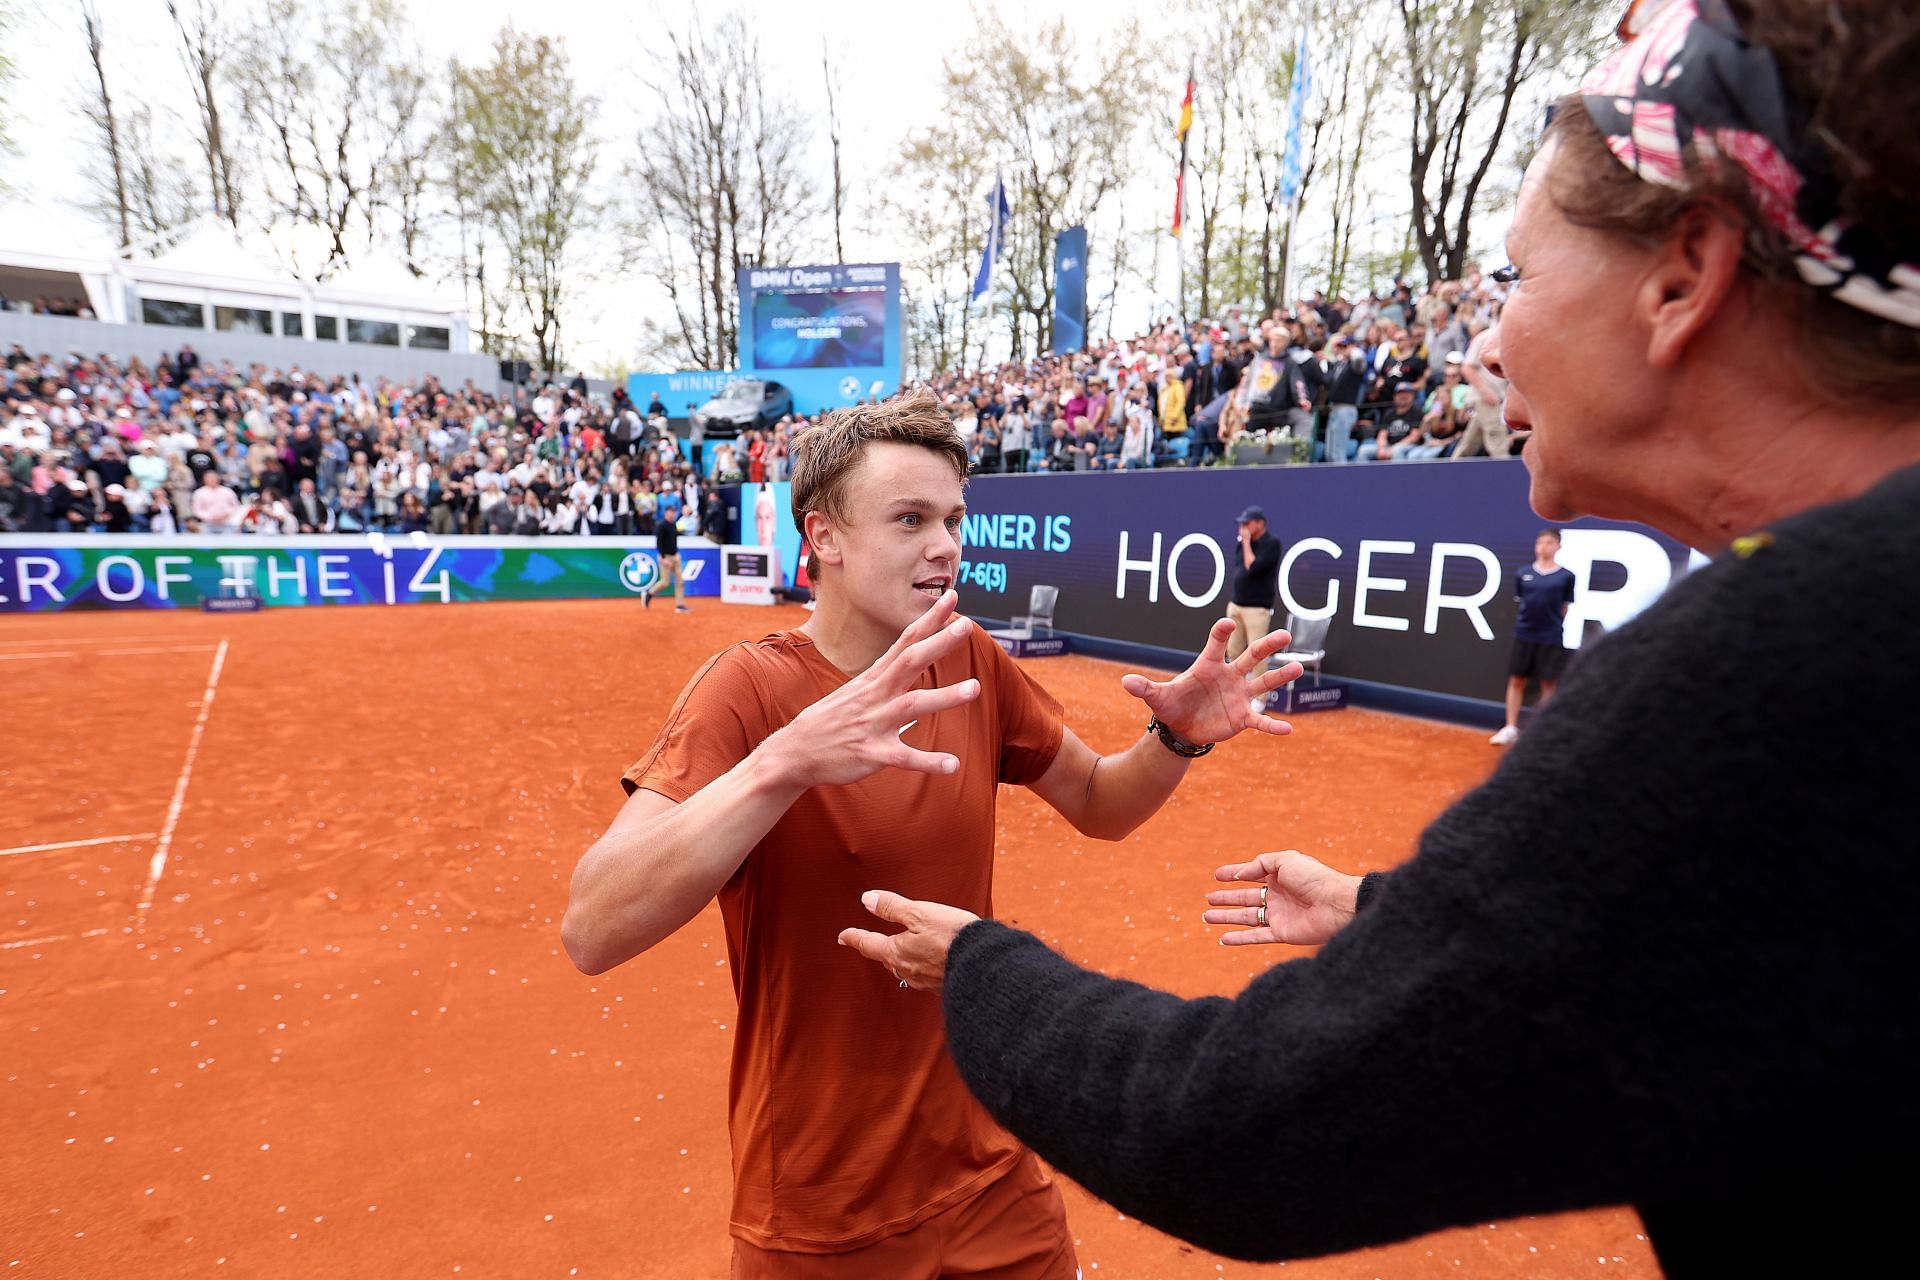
point(51, 572)
point(831, 334)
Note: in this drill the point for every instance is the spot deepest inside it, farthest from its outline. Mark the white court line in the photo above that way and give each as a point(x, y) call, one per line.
point(15, 644)
point(77, 844)
point(177, 648)
point(105, 653)
point(56, 937)
point(158, 865)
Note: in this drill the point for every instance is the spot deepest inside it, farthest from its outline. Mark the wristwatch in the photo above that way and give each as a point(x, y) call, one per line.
point(1185, 750)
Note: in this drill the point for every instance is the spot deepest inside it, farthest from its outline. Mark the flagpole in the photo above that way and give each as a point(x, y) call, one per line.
point(1286, 263)
point(1180, 214)
point(993, 255)
point(986, 330)
point(1180, 297)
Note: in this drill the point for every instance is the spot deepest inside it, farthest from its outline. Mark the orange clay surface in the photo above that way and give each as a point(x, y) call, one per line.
point(344, 1040)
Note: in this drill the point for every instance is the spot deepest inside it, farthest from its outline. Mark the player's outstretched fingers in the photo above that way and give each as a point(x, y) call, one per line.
point(1234, 897)
point(1257, 653)
point(936, 762)
point(1268, 681)
point(1261, 722)
point(906, 667)
point(1217, 637)
point(1243, 917)
point(923, 626)
point(921, 703)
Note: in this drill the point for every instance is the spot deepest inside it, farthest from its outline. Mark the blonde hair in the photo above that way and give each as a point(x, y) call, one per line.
point(826, 455)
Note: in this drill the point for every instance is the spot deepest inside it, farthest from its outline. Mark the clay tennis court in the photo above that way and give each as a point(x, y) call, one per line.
point(343, 1038)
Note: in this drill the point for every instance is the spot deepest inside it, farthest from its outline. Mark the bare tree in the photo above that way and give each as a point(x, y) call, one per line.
point(1065, 124)
point(1352, 125)
point(160, 196)
point(934, 193)
point(1467, 61)
point(1260, 96)
point(9, 24)
point(1227, 84)
point(525, 128)
point(205, 47)
point(340, 121)
point(138, 191)
point(718, 183)
point(833, 136)
point(106, 128)
point(407, 179)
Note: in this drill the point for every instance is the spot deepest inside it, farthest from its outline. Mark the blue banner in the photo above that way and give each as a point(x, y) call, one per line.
point(54, 572)
point(1413, 562)
point(1070, 291)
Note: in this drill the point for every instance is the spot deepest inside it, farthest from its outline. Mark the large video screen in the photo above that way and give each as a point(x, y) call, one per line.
point(828, 329)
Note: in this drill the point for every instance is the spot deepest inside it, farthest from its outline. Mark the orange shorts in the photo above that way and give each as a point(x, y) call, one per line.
point(1015, 1229)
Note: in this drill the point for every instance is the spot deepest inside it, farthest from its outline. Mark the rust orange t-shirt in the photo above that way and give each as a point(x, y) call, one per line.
point(849, 1121)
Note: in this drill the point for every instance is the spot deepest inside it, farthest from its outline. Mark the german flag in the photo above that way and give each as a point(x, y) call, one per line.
point(1180, 131)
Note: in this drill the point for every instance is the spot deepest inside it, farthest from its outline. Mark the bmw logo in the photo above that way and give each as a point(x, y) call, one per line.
point(849, 388)
point(639, 572)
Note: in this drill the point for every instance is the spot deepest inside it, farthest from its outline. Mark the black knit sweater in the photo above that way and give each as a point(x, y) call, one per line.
point(1664, 957)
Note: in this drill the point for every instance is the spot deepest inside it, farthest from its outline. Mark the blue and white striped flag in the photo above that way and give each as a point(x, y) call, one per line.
point(1296, 156)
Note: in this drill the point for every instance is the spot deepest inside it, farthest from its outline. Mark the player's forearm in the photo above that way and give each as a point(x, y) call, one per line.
point(1127, 789)
point(634, 888)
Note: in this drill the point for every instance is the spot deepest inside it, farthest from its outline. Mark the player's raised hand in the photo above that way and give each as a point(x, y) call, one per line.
point(854, 732)
point(1282, 897)
point(1213, 699)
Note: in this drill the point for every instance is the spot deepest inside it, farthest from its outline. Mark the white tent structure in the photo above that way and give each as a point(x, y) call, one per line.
point(374, 317)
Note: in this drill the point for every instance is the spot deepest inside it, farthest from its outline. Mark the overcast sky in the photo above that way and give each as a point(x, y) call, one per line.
point(889, 54)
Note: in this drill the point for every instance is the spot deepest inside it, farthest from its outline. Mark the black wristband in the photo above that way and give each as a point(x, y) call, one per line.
point(1185, 750)
point(1369, 885)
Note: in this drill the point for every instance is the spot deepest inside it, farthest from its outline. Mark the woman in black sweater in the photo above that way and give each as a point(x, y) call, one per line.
point(1665, 956)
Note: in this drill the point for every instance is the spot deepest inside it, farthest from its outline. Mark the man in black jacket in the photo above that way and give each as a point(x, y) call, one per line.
point(1256, 580)
point(1346, 384)
point(310, 509)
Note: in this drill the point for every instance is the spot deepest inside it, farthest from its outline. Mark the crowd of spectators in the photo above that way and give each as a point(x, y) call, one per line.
point(1392, 376)
point(184, 445)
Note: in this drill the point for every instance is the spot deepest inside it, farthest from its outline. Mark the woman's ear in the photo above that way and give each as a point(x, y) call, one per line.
point(1692, 277)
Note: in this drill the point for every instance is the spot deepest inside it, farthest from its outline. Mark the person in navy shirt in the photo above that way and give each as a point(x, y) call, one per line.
point(1545, 592)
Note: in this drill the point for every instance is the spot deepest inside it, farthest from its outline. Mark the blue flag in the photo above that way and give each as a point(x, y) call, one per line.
point(1070, 291)
point(997, 215)
point(1296, 157)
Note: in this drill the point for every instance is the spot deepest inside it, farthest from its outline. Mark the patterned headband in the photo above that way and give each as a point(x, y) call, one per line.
point(1687, 76)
